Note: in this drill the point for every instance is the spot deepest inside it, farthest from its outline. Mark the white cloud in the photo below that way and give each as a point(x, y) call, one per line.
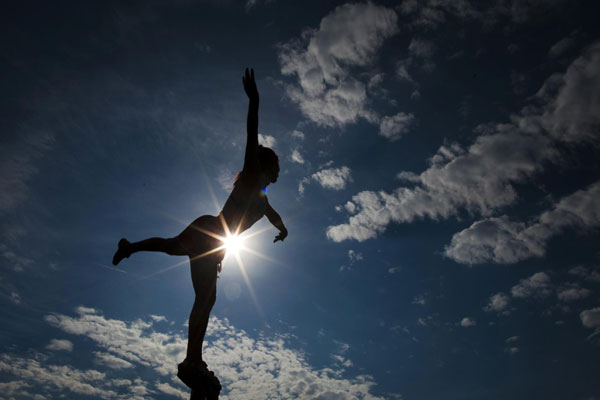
point(301, 184)
point(420, 299)
point(15, 297)
point(133, 342)
point(247, 367)
point(327, 92)
point(354, 256)
point(512, 350)
point(394, 270)
point(402, 72)
point(498, 302)
point(297, 157)
point(333, 178)
point(467, 322)
point(512, 339)
point(572, 293)
point(170, 390)
point(501, 240)
point(298, 134)
point(111, 361)
point(395, 126)
point(560, 47)
point(429, 14)
point(591, 319)
point(57, 377)
point(60, 344)
point(14, 388)
point(158, 318)
point(537, 285)
point(481, 177)
point(421, 48)
point(589, 274)
point(267, 140)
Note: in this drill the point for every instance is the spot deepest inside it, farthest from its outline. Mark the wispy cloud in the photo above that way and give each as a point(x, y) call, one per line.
point(481, 177)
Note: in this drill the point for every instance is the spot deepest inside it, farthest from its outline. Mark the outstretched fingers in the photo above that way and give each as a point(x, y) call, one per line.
point(250, 83)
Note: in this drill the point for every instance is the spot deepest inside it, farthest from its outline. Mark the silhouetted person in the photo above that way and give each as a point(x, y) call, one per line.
point(246, 204)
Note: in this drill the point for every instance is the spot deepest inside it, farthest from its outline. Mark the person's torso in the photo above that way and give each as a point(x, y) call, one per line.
point(246, 204)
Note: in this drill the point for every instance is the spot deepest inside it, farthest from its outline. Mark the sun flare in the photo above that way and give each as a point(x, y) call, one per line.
point(233, 244)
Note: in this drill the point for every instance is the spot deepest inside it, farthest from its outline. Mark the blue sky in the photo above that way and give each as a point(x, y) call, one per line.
point(439, 181)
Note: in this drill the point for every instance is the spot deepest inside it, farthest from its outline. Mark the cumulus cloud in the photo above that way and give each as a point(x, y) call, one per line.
point(133, 342)
point(537, 285)
point(60, 344)
point(498, 302)
point(327, 92)
point(267, 140)
point(158, 318)
point(333, 178)
point(297, 157)
point(591, 319)
point(247, 367)
point(60, 378)
point(395, 126)
point(501, 240)
point(572, 293)
point(467, 322)
point(589, 274)
point(481, 178)
point(170, 390)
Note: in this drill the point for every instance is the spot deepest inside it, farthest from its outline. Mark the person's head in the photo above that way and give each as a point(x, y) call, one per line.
point(269, 163)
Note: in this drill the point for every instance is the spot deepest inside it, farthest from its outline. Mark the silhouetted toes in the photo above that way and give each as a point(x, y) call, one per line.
point(122, 251)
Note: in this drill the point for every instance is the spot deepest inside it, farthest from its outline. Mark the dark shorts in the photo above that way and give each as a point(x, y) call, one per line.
point(198, 242)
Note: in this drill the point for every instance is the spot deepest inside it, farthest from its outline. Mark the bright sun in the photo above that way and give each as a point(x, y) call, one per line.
point(233, 244)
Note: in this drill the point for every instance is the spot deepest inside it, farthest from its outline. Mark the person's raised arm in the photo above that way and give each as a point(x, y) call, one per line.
point(275, 219)
point(251, 156)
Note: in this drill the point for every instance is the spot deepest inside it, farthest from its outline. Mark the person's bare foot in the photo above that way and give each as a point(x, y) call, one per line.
point(122, 251)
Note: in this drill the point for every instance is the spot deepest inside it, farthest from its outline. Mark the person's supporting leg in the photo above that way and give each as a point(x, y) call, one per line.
point(169, 246)
point(204, 279)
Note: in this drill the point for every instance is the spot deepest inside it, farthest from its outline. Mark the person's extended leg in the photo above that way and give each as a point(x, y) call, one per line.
point(169, 246)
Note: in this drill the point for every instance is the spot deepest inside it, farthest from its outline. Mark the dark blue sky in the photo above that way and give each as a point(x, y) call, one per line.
point(439, 180)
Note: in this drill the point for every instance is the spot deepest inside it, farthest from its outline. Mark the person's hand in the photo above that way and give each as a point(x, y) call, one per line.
point(282, 235)
point(250, 84)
